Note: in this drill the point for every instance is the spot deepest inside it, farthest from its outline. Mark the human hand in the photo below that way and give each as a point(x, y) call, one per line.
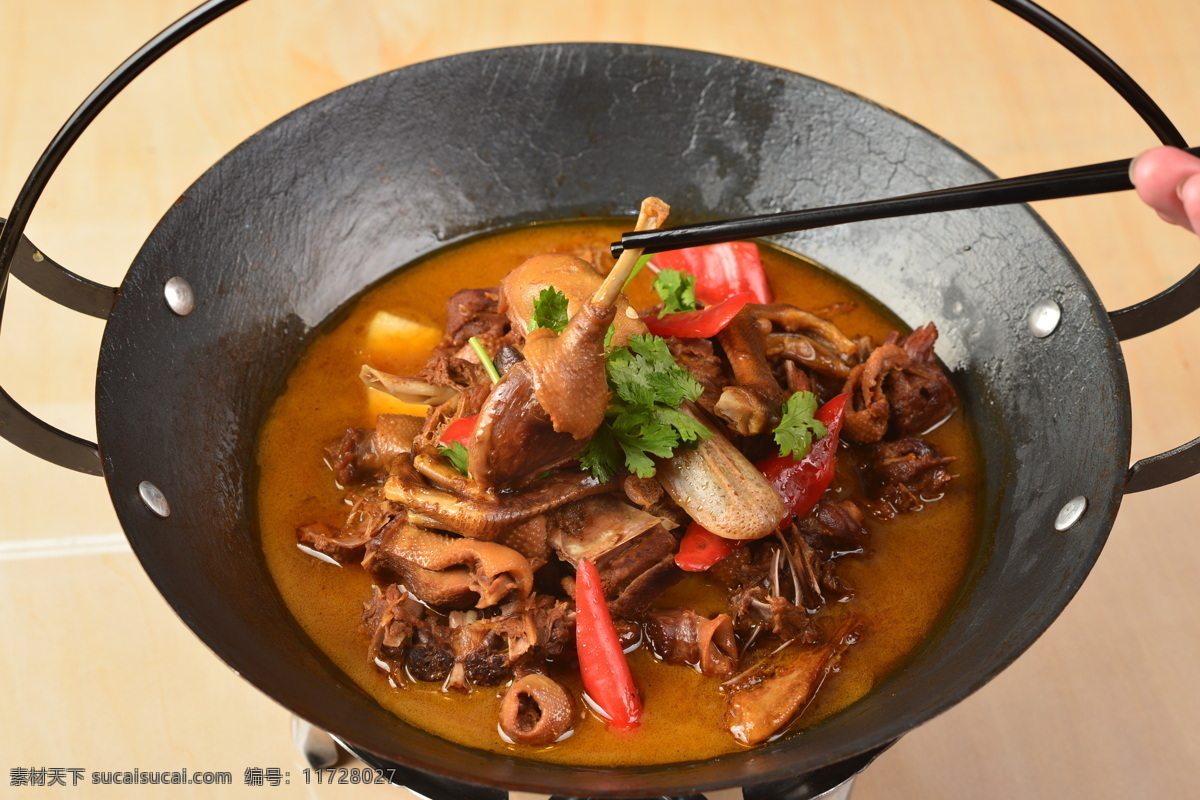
point(1168, 180)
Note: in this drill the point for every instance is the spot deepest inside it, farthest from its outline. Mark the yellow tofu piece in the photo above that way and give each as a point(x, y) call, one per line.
point(398, 343)
point(383, 403)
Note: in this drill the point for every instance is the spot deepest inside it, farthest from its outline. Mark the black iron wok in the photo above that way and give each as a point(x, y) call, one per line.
point(298, 220)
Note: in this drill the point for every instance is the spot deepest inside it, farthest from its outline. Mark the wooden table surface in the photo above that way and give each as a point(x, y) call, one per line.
point(98, 672)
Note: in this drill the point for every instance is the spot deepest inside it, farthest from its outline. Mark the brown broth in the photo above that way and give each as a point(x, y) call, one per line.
point(916, 562)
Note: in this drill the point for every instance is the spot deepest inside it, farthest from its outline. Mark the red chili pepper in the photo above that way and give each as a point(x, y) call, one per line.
point(700, 548)
point(800, 484)
point(459, 431)
point(606, 676)
point(700, 324)
point(721, 270)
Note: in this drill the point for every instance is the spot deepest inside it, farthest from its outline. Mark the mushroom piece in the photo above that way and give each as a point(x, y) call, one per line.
point(536, 711)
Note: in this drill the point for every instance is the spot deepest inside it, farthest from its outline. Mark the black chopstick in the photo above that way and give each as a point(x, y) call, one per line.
point(1111, 176)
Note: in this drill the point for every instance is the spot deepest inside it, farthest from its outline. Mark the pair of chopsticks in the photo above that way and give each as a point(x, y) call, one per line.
point(1111, 176)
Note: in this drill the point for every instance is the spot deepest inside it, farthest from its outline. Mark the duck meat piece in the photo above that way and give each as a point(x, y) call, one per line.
point(903, 475)
point(370, 511)
point(534, 632)
point(644, 491)
point(596, 526)
point(455, 372)
point(536, 711)
point(834, 527)
point(485, 515)
point(330, 542)
point(529, 538)
point(698, 357)
point(362, 456)
point(809, 353)
point(795, 378)
point(776, 691)
point(572, 276)
point(900, 389)
point(742, 568)
point(389, 618)
point(758, 608)
point(681, 636)
point(921, 396)
point(814, 327)
point(751, 405)
point(430, 654)
point(469, 650)
point(473, 312)
point(448, 571)
point(514, 437)
point(636, 596)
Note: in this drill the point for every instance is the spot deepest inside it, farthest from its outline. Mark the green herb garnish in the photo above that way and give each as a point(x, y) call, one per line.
point(549, 310)
point(643, 418)
point(677, 290)
point(456, 454)
point(797, 427)
point(484, 358)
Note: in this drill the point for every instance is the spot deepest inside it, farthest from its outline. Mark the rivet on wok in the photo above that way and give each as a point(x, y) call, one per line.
point(1044, 318)
point(1070, 513)
point(154, 499)
point(179, 296)
point(37, 256)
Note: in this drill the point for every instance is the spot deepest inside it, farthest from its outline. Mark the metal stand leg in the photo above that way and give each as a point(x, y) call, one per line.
point(839, 792)
point(318, 748)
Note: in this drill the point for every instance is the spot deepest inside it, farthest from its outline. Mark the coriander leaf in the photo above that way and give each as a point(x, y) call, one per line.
point(601, 457)
point(456, 454)
point(677, 290)
point(549, 310)
point(797, 427)
point(608, 337)
point(643, 420)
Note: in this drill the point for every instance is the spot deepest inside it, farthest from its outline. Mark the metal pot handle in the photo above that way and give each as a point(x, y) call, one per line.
point(26, 431)
point(1171, 304)
point(18, 425)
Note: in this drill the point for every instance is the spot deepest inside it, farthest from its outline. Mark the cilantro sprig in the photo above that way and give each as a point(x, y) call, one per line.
point(456, 454)
point(797, 426)
point(677, 291)
point(643, 418)
point(549, 310)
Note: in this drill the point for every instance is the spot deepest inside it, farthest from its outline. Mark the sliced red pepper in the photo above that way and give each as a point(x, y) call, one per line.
point(700, 548)
point(702, 324)
point(721, 270)
point(459, 431)
point(800, 484)
point(602, 665)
